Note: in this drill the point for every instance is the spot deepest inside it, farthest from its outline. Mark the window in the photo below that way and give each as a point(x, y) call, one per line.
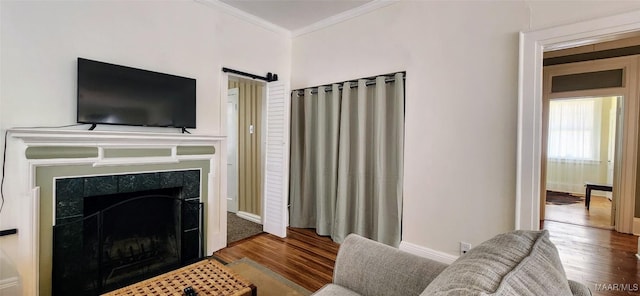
point(574, 129)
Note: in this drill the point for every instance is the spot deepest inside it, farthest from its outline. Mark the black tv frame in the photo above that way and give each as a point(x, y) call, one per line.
point(133, 88)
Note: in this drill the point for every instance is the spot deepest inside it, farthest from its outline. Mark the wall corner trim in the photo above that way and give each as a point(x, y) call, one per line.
point(427, 253)
point(245, 16)
point(341, 17)
point(332, 20)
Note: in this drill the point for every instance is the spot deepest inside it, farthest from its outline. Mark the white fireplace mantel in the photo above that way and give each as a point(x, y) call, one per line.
point(114, 149)
point(41, 137)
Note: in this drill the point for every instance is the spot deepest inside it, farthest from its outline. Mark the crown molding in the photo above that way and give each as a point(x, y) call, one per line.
point(228, 9)
point(341, 17)
point(338, 18)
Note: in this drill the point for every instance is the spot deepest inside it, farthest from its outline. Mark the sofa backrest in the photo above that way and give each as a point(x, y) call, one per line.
point(375, 269)
point(514, 263)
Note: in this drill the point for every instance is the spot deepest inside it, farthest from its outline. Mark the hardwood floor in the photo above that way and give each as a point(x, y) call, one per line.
point(598, 215)
point(595, 256)
point(302, 257)
point(589, 255)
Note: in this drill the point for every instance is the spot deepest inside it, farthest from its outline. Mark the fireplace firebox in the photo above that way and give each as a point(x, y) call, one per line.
point(112, 231)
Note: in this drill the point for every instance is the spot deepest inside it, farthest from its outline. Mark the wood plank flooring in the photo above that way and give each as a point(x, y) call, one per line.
point(598, 215)
point(589, 255)
point(302, 257)
point(596, 256)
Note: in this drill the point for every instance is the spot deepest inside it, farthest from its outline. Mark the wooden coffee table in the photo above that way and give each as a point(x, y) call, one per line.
point(206, 277)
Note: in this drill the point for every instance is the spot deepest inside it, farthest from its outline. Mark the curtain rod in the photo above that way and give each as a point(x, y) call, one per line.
point(269, 78)
point(352, 83)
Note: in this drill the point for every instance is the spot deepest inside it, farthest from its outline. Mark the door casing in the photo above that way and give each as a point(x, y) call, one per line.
point(274, 212)
point(532, 46)
point(232, 150)
point(625, 158)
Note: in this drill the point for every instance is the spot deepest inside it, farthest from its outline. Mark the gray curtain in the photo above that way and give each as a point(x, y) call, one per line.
point(347, 159)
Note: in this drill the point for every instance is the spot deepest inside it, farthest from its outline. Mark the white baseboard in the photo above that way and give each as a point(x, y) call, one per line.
point(636, 227)
point(427, 253)
point(576, 189)
point(638, 254)
point(9, 286)
point(251, 217)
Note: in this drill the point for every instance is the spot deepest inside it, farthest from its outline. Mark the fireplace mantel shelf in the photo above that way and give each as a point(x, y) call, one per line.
point(40, 137)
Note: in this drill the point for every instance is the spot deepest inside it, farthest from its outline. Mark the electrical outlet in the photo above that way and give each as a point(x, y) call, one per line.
point(464, 248)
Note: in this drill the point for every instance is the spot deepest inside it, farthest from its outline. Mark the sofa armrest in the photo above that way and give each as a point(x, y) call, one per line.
point(578, 289)
point(371, 268)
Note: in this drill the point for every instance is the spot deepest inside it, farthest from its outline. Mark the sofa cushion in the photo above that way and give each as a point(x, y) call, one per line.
point(514, 263)
point(335, 290)
point(371, 268)
point(578, 289)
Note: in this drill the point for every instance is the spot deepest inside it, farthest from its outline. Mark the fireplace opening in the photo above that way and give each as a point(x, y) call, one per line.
point(139, 236)
point(124, 238)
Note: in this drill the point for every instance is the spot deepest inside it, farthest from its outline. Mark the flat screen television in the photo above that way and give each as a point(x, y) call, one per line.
point(113, 94)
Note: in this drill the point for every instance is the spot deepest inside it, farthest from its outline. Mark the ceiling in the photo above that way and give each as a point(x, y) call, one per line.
point(295, 15)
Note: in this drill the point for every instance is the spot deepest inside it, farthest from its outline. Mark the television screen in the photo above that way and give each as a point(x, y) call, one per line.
point(113, 94)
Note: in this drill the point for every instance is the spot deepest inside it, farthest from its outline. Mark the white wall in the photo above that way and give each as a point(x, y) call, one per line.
point(41, 40)
point(461, 60)
point(545, 14)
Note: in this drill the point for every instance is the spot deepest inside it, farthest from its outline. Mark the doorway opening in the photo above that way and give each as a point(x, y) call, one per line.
point(587, 129)
point(530, 120)
point(580, 161)
point(588, 141)
point(245, 157)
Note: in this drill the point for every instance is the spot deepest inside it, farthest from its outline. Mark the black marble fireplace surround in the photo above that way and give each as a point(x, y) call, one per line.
point(111, 231)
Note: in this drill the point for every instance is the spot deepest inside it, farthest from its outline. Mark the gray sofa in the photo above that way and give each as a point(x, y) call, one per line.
point(514, 263)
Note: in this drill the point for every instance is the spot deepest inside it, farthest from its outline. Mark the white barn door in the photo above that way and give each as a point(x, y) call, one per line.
point(276, 177)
